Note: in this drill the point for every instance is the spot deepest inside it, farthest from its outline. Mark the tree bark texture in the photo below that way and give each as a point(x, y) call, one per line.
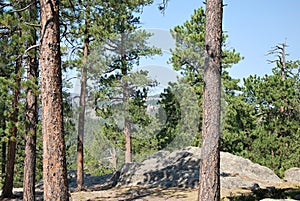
point(7, 191)
point(54, 155)
point(32, 119)
point(209, 186)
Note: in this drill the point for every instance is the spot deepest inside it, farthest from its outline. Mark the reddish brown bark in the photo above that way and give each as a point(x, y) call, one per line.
point(209, 185)
point(54, 155)
point(32, 119)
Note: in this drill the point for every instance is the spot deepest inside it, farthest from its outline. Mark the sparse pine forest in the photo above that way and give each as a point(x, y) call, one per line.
point(74, 95)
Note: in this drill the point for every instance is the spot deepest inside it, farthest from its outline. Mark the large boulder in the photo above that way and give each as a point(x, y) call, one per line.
point(292, 175)
point(237, 166)
point(181, 169)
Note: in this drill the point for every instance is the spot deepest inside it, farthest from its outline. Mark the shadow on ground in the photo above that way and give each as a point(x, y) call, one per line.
point(273, 193)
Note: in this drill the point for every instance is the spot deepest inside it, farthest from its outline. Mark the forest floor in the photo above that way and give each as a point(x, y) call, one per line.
point(152, 194)
point(182, 194)
point(283, 191)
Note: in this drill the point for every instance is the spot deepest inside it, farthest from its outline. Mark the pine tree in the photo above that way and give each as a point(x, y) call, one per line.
point(31, 109)
point(187, 58)
point(54, 156)
point(209, 186)
point(126, 46)
point(13, 39)
point(274, 100)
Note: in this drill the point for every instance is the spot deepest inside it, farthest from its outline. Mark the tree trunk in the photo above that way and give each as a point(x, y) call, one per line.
point(54, 154)
point(3, 144)
point(127, 131)
point(128, 154)
point(283, 70)
point(209, 184)
point(11, 152)
point(3, 158)
point(114, 159)
point(81, 118)
point(32, 118)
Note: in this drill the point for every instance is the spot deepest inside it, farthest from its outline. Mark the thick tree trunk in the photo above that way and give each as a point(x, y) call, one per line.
point(32, 120)
point(54, 155)
point(11, 152)
point(81, 118)
point(209, 186)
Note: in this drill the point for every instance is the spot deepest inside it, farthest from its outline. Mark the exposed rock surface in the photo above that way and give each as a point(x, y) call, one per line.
point(292, 175)
point(181, 169)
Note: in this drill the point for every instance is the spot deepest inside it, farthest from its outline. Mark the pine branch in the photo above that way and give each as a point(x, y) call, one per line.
point(27, 50)
point(3, 5)
point(34, 25)
point(22, 9)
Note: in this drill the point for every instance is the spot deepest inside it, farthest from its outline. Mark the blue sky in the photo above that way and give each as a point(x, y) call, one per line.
point(253, 26)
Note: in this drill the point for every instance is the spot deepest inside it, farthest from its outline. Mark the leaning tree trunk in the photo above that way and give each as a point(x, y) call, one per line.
point(209, 186)
point(31, 116)
point(11, 152)
point(54, 154)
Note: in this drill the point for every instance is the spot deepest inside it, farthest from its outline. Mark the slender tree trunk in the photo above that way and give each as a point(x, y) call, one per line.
point(54, 153)
point(32, 118)
point(128, 154)
point(114, 160)
point(3, 158)
point(3, 146)
point(127, 131)
point(209, 186)
point(283, 70)
point(11, 152)
point(81, 118)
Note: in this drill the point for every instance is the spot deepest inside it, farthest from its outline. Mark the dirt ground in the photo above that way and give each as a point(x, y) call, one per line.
point(147, 194)
point(170, 194)
point(283, 190)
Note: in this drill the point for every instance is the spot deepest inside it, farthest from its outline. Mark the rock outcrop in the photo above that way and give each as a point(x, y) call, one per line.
point(292, 175)
point(181, 169)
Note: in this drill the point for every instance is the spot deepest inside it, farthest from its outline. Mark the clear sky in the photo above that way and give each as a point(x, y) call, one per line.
point(253, 26)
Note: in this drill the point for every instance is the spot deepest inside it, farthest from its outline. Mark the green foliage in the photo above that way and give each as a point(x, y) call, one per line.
point(263, 124)
point(122, 89)
point(16, 37)
point(275, 100)
point(188, 59)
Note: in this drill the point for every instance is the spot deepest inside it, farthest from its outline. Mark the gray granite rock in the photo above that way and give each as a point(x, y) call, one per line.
point(181, 169)
point(292, 175)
